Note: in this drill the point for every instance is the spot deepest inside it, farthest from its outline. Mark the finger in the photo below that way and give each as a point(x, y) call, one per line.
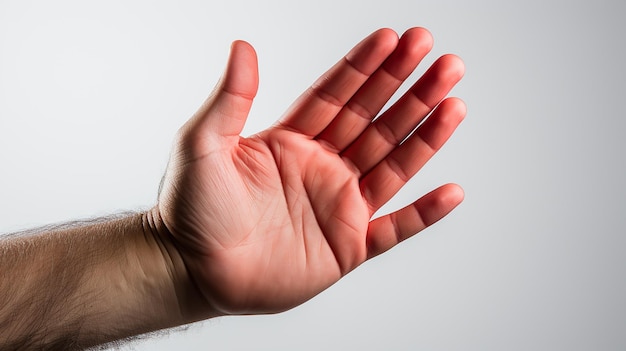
point(319, 104)
point(388, 176)
point(225, 111)
point(386, 132)
point(387, 231)
point(372, 96)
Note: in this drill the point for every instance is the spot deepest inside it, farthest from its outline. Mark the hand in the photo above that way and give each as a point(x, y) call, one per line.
point(265, 223)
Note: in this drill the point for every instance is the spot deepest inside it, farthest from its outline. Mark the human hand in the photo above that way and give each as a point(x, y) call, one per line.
point(264, 223)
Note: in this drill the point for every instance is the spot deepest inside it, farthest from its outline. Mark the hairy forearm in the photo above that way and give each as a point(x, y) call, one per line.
point(87, 284)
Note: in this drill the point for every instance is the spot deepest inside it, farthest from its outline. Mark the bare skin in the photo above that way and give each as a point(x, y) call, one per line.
point(288, 213)
point(264, 223)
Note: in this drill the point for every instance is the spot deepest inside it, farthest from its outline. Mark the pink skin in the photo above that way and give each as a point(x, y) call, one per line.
point(265, 223)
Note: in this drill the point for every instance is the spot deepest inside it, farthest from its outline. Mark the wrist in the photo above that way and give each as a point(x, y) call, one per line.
point(191, 306)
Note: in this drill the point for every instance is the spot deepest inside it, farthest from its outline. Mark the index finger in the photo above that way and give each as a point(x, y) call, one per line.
point(319, 104)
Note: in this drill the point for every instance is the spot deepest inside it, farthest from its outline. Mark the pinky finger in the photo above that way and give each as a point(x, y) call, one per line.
point(387, 231)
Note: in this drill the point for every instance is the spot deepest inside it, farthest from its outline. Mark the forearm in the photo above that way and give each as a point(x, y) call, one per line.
point(84, 285)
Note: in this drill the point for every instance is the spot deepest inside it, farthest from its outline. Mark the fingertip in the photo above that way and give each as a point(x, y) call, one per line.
point(388, 39)
point(453, 194)
point(241, 44)
point(241, 76)
point(422, 30)
point(386, 34)
point(454, 106)
point(454, 65)
point(241, 49)
point(439, 79)
point(368, 54)
point(412, 47)
point(420, 35)
point(459, 105)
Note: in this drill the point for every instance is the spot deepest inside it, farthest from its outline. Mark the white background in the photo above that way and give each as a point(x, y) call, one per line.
point(92, 92)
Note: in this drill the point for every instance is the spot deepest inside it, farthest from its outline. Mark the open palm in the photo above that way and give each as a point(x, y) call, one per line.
point(265, 223)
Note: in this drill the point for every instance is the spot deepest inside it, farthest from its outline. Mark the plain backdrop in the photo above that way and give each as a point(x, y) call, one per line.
point(92, 92)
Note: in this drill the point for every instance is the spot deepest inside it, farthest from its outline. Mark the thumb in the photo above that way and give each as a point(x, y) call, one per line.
point(225, 111)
